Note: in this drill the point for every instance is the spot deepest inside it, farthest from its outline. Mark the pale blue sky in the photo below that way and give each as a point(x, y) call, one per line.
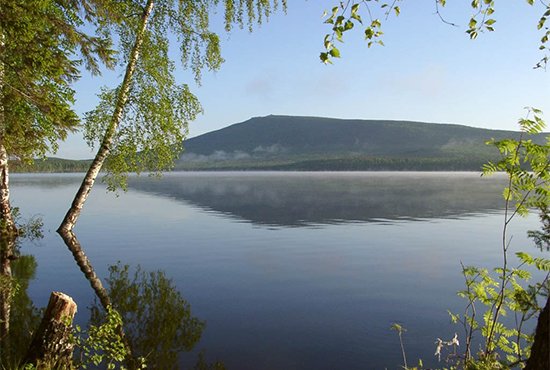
point(428, 71)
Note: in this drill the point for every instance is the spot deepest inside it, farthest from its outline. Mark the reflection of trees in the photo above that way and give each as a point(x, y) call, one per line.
point(6, 287)
point(157, 321)
point(23, 316)
point(71, 241)
point(18, 316)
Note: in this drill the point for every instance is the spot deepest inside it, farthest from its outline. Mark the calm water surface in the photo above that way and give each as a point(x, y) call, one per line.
point(289, 270)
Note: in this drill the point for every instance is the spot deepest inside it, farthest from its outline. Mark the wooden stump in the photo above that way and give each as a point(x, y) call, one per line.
point(51, 346)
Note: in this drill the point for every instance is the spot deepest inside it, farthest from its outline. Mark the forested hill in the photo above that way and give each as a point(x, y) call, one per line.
point(313, 143)
point(327, 144)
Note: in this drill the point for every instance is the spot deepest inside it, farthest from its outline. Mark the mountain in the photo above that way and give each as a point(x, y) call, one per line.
point(314, 143)
point(327, 144)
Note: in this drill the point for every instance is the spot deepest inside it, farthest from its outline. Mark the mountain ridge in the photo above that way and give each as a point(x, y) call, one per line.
point(320, 143)
point(308, 143)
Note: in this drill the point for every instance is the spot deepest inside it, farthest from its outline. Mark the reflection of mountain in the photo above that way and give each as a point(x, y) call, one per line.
point(301, 199)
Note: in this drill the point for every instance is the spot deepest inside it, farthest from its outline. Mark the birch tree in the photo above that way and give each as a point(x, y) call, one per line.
point(141, 124)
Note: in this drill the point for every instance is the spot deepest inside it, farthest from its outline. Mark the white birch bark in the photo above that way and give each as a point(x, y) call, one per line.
point(82, 194)
point(7, 224)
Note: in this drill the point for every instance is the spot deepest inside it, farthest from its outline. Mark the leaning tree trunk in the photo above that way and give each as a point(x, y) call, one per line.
point(540, 350)
point(82, 194)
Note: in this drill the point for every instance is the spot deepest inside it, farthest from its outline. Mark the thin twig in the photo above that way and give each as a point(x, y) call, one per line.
point(438, 13)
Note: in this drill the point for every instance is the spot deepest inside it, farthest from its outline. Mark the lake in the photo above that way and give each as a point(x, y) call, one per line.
point(288, 270)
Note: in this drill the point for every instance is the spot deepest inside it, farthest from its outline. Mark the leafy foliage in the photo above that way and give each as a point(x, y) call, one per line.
point(38, 42)
point(542, 237)
point(505, 291)
point(154, 119)
point(103, 344)
point(369, 15)
point(347, 15)
point(484, 296)
point(527, 166)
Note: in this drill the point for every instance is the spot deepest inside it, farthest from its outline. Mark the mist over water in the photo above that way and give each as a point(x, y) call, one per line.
point(288, 270)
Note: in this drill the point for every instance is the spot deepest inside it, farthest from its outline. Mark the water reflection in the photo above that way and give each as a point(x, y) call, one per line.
point(292, 298)
point(294, 199)
point(158, 322)
point(19, 316)
point(71, 241)
point(302, 199)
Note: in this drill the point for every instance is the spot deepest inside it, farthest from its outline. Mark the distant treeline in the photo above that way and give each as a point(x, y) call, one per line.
point(344, 164)
point(359, 163)
point(51, 165)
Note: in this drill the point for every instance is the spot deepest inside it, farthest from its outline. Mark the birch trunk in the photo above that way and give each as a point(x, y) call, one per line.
point(82, 194)
point(7, 224)
point(8, 228)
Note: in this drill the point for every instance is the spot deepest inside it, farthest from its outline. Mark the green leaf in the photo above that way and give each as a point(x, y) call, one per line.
point(357, 17)
point(334, 52)
point(542, 264)
point(369, 33)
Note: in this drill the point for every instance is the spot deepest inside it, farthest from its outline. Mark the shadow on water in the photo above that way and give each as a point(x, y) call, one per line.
point(307, 199)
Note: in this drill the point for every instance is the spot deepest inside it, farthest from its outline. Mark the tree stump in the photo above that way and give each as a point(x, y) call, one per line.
point(52, 346)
